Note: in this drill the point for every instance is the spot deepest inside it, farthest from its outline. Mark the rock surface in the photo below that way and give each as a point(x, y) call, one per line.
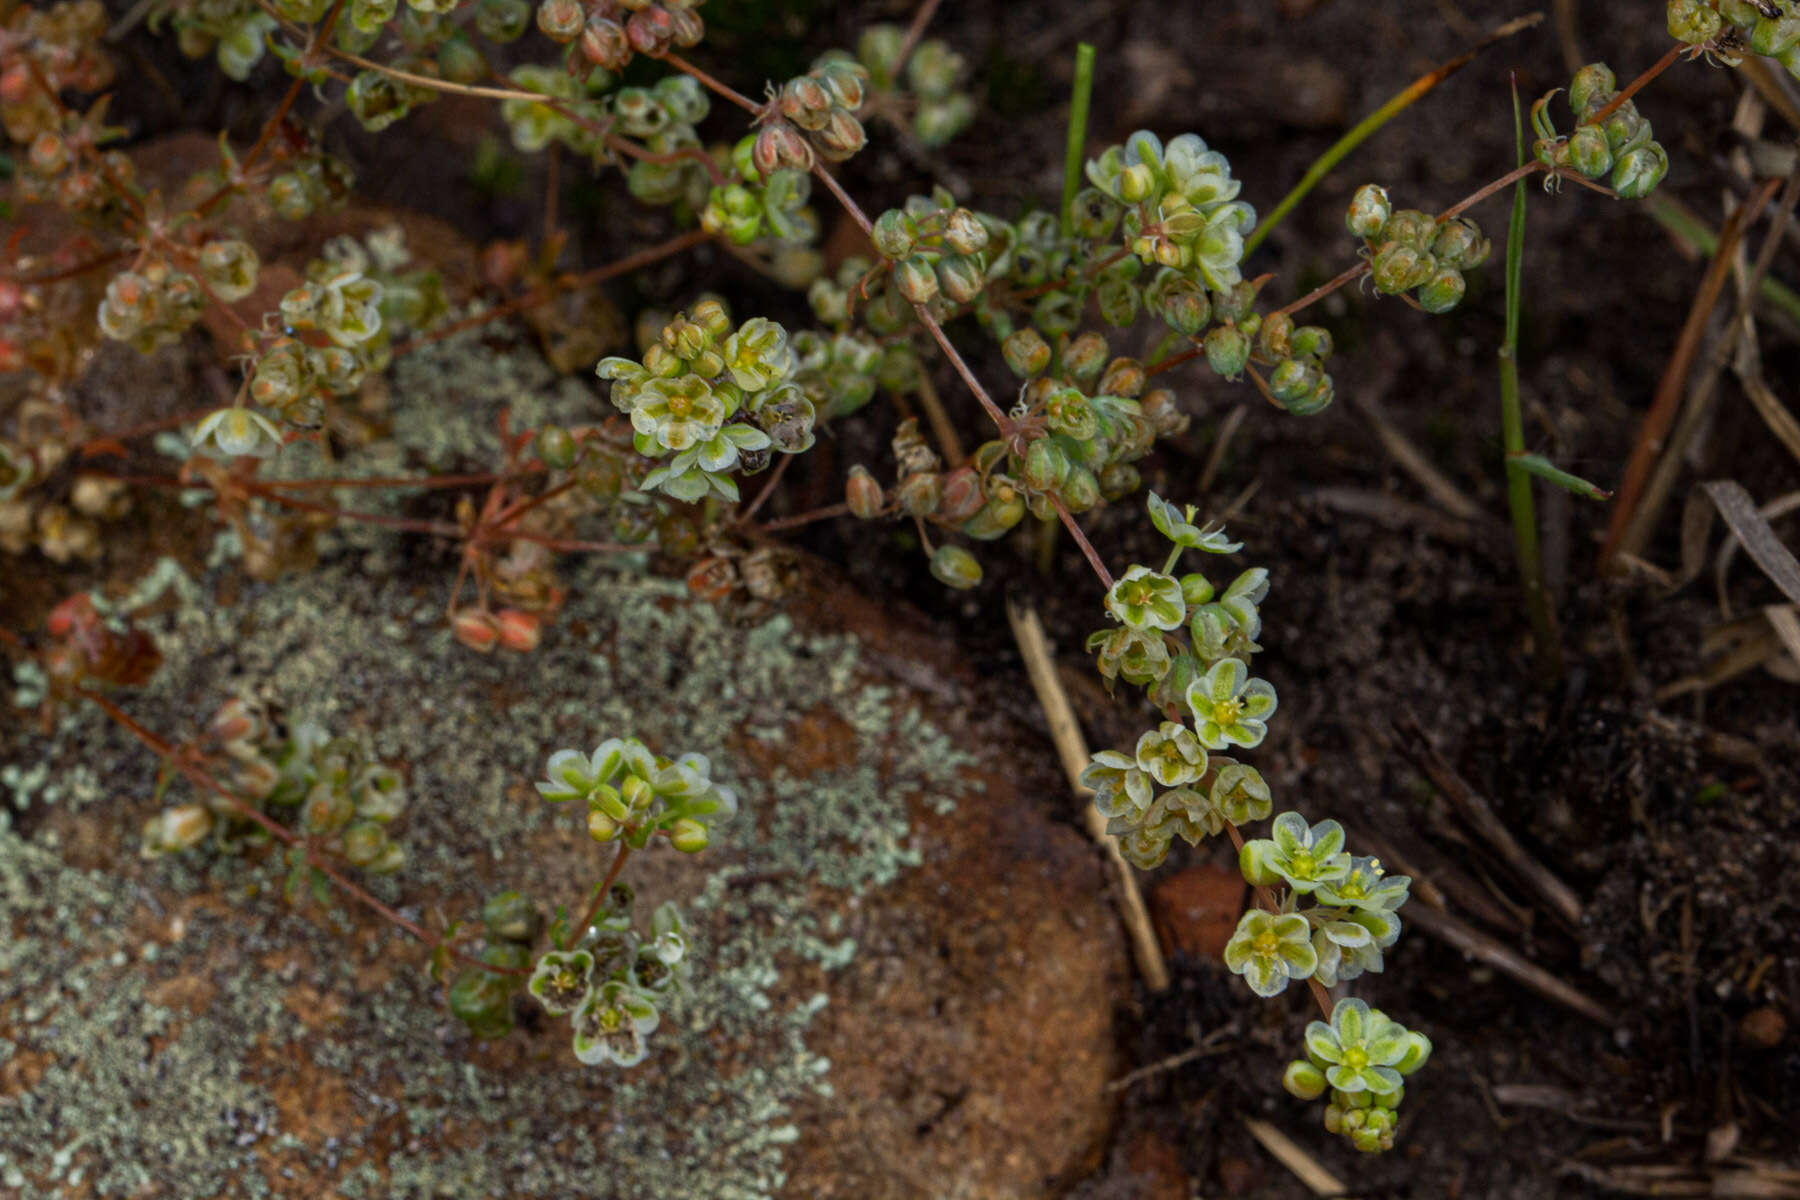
point(906, 971)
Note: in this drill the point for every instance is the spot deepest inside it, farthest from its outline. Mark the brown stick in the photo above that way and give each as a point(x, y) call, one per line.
point(1416, 746)
point(1674, 378)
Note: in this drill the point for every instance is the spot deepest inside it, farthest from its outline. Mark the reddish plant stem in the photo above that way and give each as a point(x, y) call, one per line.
point(707, 81)
point(536, 296)
point(841, 508)
point(423, 481)
point(1631, 89)
point(768, 489)
point(275, 829)
point(1087, 547)
point(914, 32)
point(612, 873)
point(81, 268)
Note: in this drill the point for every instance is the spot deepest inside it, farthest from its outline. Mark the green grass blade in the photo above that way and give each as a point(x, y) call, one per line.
point(1512, 430)
point(1075, 149)
point(1543, 468)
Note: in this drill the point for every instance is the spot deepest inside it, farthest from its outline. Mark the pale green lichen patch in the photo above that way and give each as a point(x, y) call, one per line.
point(188, 1102)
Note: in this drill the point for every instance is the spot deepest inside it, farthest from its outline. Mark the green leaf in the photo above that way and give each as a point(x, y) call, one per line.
point(1543, 468)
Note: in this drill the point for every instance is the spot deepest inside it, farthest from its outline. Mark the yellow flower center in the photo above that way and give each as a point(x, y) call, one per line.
point(1356, 1058)
point(1225, 712)
point(1267, 945)
point(611, 1019)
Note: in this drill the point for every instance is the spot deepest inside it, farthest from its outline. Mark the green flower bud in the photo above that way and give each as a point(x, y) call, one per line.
point(1400, 268)
point(291, 196)
point(842, 136)
point(1273, 339)
point(1080, 490)
point(933, 68)
point(1136, 182)
point(1695, 22)
point(879, 49)
point(1056, 313)
point(1236, 303)
point(601, 827)
point(1227, 350)
point(230, 268)
point(1589, 152)
point(1303, 1080)
point(1638, 171)
point(1460, 244)
point(1045, 466)
point(1317, 400)
point(1443, 292)
point(1026, 352)
point(915, 280)
point(688, 835)
point(1591, 88)
point(1004, 509)
point(1181, 302)
point(1369, 212)
point(863, 494)
point(1292, 378)
point(1085, 356)
point(1119, 301)
point(502, 20)
point(960, 278)
point(920, 494)
point(1119, 480)
point(1311, 341)
point(1093, 214)
point(556, 447)
point(1410, 227)
point(482, 1000)
point(895, 233)
point(511, 916)
point(955, 567)
point(364, 842)
point(1123, 377)
point(964, 233)
point(561, 20)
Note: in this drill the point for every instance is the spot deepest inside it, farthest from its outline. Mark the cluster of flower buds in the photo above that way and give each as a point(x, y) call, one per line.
point(310, 182)
point(1412, 251)
point(823, 102)
point(34, 511)
point(151, 306)
point(755, 205)
point(706, 400)
point(235, 34)
point(838, 373)
point(663, 117)
point(63, 165)
point(1619, 143)
point(1726, 28)
point(934, 250)
point(570, 113)
point(634, 795)
point(1179, 202)
point(343, 796)
point(1362, 1056)
point(939, 108)
point(1085, 418)
point(611, 980)
point(480, 998)
point(609, 33)
point(60, 45)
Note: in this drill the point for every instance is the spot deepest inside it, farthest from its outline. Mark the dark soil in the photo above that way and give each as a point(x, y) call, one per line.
point(1673, 822)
